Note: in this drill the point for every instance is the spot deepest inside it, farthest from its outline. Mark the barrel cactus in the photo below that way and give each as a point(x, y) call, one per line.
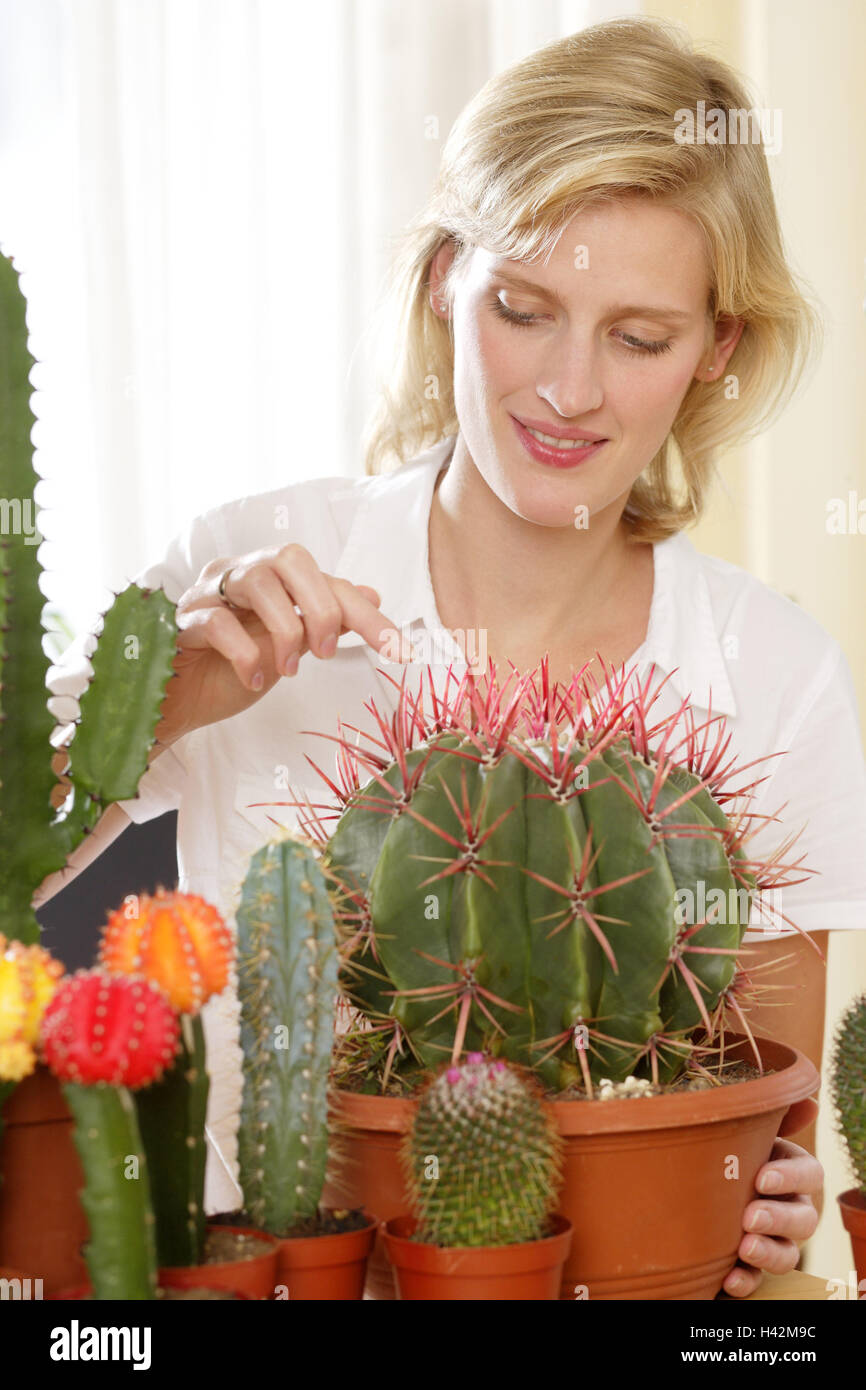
point(848, 1085)
point(287, 982)
point(483, 1160)
point(542, 872)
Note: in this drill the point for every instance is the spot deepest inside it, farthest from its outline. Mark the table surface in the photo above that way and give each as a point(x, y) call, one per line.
point(794, 1286)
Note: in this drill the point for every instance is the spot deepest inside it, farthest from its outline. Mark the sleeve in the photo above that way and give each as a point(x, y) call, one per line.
point(819, 787)
point(162, 786)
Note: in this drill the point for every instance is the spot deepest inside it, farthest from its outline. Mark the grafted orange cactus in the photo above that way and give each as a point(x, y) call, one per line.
point(179, 940)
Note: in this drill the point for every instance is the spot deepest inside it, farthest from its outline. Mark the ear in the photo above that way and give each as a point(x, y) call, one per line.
point(438, 269)
point(728, 331)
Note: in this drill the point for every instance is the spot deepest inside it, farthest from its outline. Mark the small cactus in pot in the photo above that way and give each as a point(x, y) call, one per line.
point(126, 1042)
point(287, 988)
point(103, 1036)
point(483, 1167)
point(483, 1159)
point(181, 943)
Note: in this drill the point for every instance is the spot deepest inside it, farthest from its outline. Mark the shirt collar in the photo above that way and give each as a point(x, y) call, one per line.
point(387, 547)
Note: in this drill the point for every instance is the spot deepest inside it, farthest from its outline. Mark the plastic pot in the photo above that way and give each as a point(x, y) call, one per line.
point(370, 1132)
point(529, 1271)
point(655, 1188)
point(852, 1205)
point(325, 1268)
point(256, 1277)
point(42, 1223)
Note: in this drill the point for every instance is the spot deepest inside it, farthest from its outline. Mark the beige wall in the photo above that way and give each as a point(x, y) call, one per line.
point(807, 61)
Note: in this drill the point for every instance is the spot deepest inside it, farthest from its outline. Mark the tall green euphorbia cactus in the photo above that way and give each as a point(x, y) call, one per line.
point(131, 667)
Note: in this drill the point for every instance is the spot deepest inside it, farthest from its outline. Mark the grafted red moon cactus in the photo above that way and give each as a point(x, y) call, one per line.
point(113, 1028)
point(179, 940)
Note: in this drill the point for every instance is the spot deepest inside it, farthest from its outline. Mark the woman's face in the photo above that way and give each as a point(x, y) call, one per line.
point(606, 340)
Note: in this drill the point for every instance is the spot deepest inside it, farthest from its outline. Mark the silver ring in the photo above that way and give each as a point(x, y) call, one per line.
point(221, 590)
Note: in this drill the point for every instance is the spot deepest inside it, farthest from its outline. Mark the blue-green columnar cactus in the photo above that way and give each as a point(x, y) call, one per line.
point(287, 983)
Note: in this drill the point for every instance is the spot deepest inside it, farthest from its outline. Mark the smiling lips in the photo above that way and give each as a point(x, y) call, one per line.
point(558, 450)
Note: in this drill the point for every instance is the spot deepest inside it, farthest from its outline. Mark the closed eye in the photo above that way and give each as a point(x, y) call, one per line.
point(636, 346)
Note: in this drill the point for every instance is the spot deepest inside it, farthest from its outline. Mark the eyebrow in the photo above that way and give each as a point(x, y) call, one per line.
point(652, 310)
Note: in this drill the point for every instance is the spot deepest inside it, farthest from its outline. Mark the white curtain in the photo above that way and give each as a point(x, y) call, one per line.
point(201, 196)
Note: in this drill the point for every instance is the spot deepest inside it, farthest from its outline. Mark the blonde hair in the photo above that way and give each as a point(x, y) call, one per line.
point(587, 119)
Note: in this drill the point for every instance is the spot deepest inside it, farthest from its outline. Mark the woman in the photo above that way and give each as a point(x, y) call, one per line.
point(586, 312)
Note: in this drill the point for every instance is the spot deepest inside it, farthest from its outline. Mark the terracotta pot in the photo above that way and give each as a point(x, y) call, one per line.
point(675, 1236)
point(42, 1222)
point(645, 1185)
point(256, 1277)
point(852, 1205)
point(369, 1172)
point(326, 1268)
point(529, 1271)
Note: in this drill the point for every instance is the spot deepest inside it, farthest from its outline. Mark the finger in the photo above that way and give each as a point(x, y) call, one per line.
point(789, 1169)
point(363, 616)
point(798, 1116)
point(772, 1254)
point(314, 596)
point(220, 629)
point(796, 1218)
point(265, 594)
point(741, 1281)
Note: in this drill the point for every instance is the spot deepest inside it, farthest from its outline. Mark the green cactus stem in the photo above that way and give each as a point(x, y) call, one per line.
point(121, 1252)
point(171, 1118)
point(131, 664)
point(513, 872)
point(287, 982)
point(848, 1085)
point(483, 1160)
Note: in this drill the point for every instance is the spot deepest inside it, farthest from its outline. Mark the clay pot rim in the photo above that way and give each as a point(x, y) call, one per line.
point(80, 1291)
point(463, 1260)
point(795, 1078)
point(853, 1208)
point(271, 1243)
point(331, 1237)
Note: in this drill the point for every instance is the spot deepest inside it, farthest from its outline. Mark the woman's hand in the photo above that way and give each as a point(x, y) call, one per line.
point(785, 1213)
point(230, 657)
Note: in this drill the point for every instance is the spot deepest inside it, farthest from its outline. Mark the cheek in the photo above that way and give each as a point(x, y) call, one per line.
point(493, 353)
point(651, 390)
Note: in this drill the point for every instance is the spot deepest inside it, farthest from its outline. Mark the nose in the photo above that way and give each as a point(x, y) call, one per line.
point(569, 379)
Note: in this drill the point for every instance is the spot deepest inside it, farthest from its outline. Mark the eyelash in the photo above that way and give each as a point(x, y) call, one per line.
point(637, 347)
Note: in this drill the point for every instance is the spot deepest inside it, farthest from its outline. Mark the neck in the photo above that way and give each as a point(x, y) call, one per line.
point(482, 554)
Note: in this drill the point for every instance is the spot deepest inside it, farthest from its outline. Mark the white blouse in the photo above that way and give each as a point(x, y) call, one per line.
point(731, 644)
